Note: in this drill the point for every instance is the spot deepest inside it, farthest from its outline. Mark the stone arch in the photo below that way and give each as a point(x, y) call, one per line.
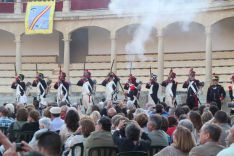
point(184, 38)
point(7, 43)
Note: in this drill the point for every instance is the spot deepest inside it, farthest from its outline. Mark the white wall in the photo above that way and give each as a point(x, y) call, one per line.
point(31, 45)
point(7, 44)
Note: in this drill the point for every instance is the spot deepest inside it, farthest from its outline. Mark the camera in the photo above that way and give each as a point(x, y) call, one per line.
point(19, 147)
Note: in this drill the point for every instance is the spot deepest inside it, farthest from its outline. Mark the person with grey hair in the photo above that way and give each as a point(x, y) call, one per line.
point(209, 140)
point(44, 125)
point(156, 134)
point(186, 123)
point(133, 140)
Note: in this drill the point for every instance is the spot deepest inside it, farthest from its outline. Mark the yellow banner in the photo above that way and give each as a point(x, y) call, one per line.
point(39, 17)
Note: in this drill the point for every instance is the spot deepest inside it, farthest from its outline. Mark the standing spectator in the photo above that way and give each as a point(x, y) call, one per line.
point(180, 146)
point(209, 139)
point(5, 121)
point(101, 137)
point(230, 150)
point(221, 119)
point(21, 119)
point(158, 137)
point(195, 118)
point(32, 124)
point(57, 122)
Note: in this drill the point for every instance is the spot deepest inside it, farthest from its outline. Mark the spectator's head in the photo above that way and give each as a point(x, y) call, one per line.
point(172, 122)
point(164, 125)
point(111, 112)
point(159, 108)
point(45, 123)
point(22, 114)
point(201, 109)
point(72, 120)
point(33, 116)
point(95, 108)
point(141, 119)
point(186, 109)
point(209, 133)
point(49, 143)
point(213, 109)
point(186, 123)
point(178, 112)
point(3, 112)
point(47, 112)
point(183, 116)
point(30, 107)
point(62, 103)
point(179, 141)
point(115, 120)
point(132, 132)
point(104, 124)
point(55, 112)
point(154, 123)
point(221, 117)
point(206, 116)
point(95, 115)
point(64, 110)
point(86, 126)
point(195, 118)
point(230, 136)
point(10, 107)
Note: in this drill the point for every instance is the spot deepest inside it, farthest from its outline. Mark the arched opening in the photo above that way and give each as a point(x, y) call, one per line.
point(223, 34)
point(7, 43)
point(126, 34)
point(91, 40)
point(184, 38)
point(43, 45)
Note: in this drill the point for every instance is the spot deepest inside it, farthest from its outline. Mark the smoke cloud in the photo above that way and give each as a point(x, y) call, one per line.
point(152, 12)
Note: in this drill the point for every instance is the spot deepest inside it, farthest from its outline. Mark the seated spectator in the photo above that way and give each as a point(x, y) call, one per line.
point(230, 150)
point(201, 109)
point(164, 125)
point(206, 116)
point(57, 122)
point(86, 127)
point(180, 146)
point(21, 119)
point(5, 121)
point(213, 109)
point(44, 125)
point(186, 109)
point(95, 115)
point(209, 140)
point(172, 123)
point(221, 119)
point(142, 120)
point(160, 110)
point(101, 137)
point(178, 112)
point(187, 123)
point(32, 124)
point(71, 124)
point(11, 110)
point(132, 142)
point(195, 118)
point(158, 137)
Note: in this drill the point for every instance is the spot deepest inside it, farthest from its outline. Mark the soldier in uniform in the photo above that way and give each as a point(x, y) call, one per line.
point(170, 89)
point(111, 87)
point(20, 88)
point(231, 88)
point(41, 85)
point(133, 89)
point(63, 89)
point(193, 85)
point(215, 92)
point(87, 91)
point(153, 87)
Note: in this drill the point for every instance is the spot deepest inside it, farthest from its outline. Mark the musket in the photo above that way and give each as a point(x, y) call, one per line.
point(84, 67)
point(15, 70)
point(112, 65)
point(131, 68)
point(150, 71)
point(36, 69)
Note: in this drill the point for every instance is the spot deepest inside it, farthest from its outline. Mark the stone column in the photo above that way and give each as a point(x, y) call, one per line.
point(113, 51)
point(18, 56)
point(66, 40)
point(160, 59)
point(66, 6)
point(208, 76)
point(18, 7)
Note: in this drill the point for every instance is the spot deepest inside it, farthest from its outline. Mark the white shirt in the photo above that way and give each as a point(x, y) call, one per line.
point(85, 88)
